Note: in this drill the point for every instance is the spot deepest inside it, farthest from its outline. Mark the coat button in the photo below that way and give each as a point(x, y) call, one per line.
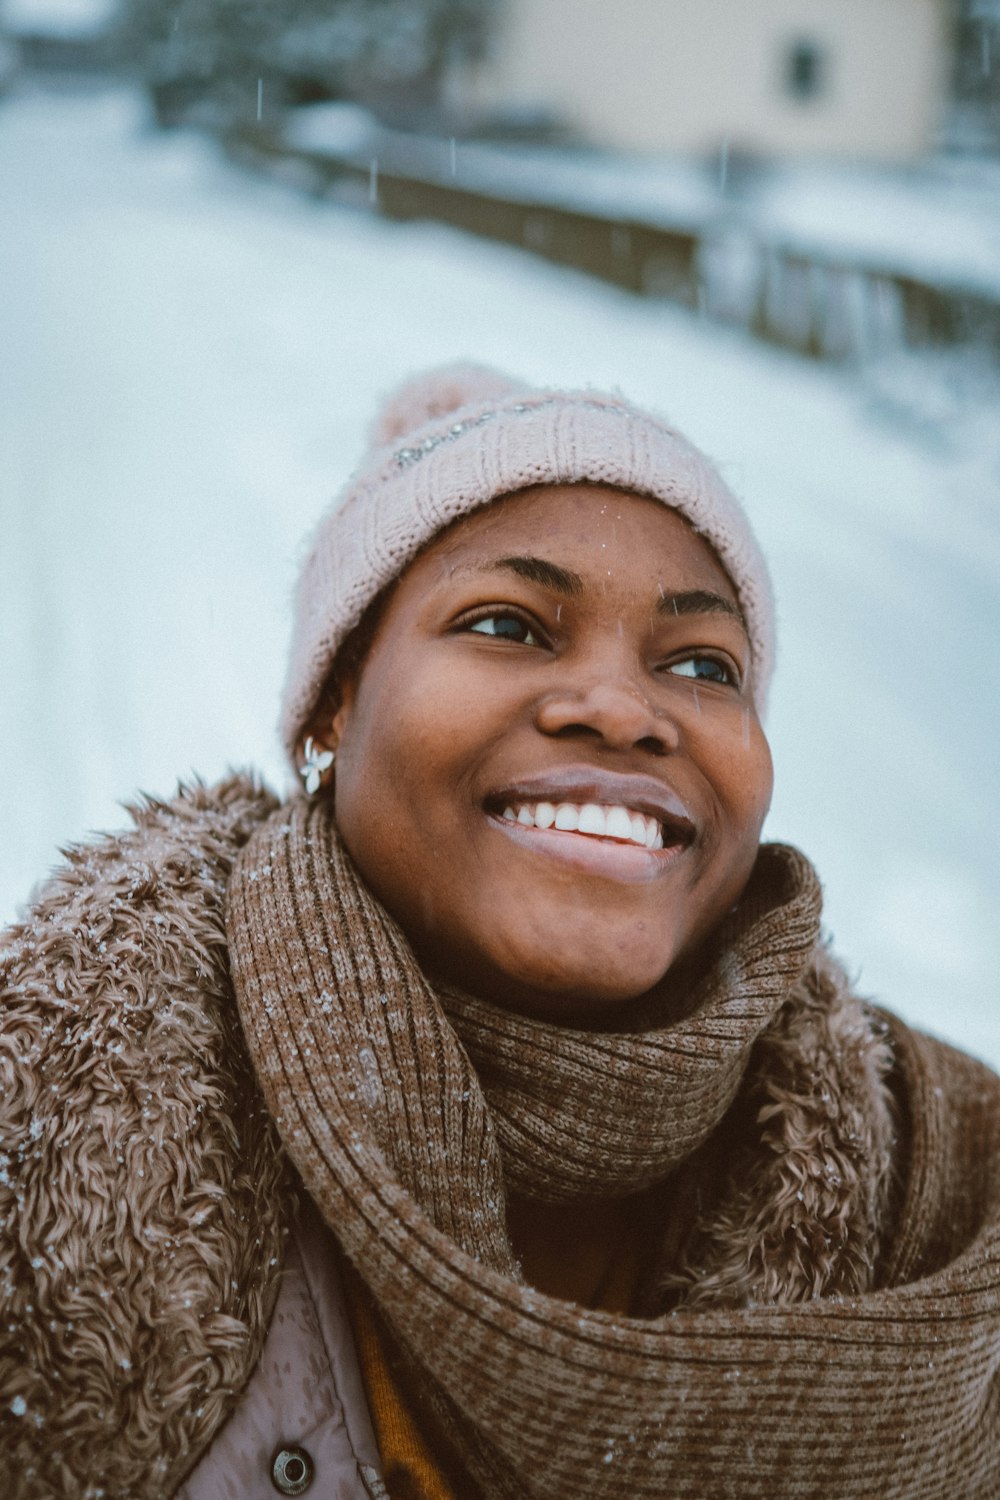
point(292, 1471)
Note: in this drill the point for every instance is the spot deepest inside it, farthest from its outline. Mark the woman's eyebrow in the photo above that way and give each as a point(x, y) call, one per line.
point(699, 602)
point(537, 570)
point(564, 581)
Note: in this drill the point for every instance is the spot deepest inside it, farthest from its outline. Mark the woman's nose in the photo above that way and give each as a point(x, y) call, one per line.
point(609, 707)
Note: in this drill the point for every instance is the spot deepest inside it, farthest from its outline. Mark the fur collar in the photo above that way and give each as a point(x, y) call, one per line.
point(803, 1165)
point(141, 1186)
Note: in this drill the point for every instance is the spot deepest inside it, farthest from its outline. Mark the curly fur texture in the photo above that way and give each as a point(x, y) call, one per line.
point(807, 1191)
point(128, 1114)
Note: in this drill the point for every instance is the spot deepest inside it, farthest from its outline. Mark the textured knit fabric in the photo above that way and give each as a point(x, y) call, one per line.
point(459, 438)
point(797, 1366)
point(605, 1275)
point(601, 1272)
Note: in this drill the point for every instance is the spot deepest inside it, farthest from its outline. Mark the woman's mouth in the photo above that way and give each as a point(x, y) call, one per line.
point(620, 827)
point(618, 823)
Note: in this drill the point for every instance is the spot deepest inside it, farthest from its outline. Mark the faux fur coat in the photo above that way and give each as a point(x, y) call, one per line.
point(145, 1203)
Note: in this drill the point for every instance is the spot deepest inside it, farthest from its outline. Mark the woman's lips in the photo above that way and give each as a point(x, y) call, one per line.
point(623, 827)
point(593, 854)
point(634, 809)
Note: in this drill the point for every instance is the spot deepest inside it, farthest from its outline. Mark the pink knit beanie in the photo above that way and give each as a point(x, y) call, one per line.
point(454, 439)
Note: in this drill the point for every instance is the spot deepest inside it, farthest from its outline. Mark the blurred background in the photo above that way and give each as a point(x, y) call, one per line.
point(228, 227)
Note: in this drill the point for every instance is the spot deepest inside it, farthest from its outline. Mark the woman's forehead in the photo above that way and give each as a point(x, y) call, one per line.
point(565, 535)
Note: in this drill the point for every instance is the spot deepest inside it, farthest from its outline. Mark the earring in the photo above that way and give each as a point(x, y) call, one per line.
point(315, 762)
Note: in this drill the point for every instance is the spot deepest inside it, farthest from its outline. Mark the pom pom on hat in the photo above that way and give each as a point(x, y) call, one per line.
point(437, 393)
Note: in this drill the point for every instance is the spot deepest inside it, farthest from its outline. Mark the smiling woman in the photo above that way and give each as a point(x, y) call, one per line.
point(570, 658)
point(491, 1120)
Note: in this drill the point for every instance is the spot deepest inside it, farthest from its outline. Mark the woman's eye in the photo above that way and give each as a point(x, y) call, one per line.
point(507, 628)
point(705, 669)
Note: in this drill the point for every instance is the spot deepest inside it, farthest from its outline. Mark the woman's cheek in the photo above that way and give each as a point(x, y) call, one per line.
point(737, 762)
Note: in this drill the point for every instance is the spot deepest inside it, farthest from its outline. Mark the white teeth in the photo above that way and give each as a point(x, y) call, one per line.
point(590, 818)
point(618, 824)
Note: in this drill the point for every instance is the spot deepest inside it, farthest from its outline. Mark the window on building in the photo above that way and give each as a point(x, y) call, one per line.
point(805, 69)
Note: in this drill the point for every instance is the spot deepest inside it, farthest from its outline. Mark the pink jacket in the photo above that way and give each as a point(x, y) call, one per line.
point(305, 1394)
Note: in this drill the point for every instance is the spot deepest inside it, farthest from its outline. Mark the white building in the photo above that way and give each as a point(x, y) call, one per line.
point(862, 79)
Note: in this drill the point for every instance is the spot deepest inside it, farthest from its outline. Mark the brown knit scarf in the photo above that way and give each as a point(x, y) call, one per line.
point(410, 1113)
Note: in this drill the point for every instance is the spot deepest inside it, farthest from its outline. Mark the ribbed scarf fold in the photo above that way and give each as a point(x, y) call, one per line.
point(410, 1113)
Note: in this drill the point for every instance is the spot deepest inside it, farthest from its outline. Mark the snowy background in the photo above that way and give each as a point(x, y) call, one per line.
point(189, 359)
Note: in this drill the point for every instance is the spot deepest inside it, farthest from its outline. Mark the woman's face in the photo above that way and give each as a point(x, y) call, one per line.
point(549, 766)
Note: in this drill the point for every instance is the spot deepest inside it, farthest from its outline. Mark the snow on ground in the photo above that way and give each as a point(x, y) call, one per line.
point(190, 357)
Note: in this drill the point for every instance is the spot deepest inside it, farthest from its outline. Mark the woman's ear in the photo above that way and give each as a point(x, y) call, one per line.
point(316, 747)
point(344, 701)
point(315, 753)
